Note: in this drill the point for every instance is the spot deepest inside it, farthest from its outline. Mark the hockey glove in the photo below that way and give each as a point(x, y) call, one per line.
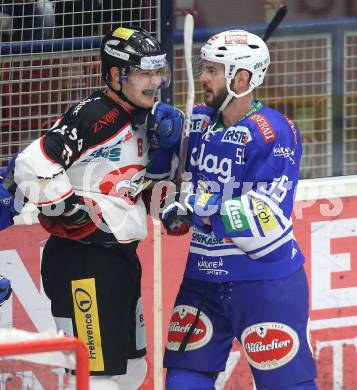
point(168, 123)
point(5, 289)
point(145, 119)
point(180, 211)
point(202, 207)
point(163, 123)
point(9, 207)
point(174, 214)
point(75, 224)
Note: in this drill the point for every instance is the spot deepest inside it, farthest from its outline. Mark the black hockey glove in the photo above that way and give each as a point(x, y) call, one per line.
point(78, 217)
point(77, 222)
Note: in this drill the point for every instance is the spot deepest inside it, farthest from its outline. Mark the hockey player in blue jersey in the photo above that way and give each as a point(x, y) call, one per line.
point(244, 276)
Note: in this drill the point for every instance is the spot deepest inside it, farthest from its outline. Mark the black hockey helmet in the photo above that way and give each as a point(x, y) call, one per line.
point(130, 47)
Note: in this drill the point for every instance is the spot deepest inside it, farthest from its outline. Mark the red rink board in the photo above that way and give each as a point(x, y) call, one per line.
point(329, 243)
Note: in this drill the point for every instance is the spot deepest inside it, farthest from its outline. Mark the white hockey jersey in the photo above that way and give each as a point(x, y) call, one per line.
point(93, 151)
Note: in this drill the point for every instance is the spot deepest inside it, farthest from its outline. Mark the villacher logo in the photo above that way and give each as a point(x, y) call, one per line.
point(269, 345)
point(182, 319)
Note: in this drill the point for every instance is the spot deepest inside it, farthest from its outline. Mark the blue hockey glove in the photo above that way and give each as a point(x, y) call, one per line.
point(174, 215)
point(203, 206)
point(7, 195)
point(5, 289)
point(163, 123)
point(144, 119)
point(168, 124)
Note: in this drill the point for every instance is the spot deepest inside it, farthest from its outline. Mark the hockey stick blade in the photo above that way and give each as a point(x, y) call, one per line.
point(278, 17)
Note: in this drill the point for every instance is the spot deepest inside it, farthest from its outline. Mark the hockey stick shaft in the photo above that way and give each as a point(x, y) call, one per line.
point(188, 40)
point(273, 25)
point(158, 321)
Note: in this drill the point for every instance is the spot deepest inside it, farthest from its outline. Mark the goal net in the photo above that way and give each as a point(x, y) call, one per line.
point(50, 59)
point(42, 361)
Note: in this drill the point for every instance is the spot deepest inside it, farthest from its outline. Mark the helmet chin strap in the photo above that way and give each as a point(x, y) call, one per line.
point(232, 94)
point(121, 95)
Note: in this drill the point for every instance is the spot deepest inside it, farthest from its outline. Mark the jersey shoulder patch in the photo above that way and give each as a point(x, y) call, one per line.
point(201, 117)
point(264, 126)
point(294, 129)
point(278, 137)
point(203, 109)
point(97, 113)
point(84, 106)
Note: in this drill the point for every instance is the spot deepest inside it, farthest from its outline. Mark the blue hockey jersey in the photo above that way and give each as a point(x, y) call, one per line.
point(254, 166)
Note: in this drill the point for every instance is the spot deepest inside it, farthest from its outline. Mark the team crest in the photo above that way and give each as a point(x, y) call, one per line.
point(125, 182)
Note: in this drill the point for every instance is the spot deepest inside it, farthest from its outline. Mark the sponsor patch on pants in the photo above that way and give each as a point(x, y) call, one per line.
point(140, 326)
point(181, 321)
point(87, 320)
point(269, 345)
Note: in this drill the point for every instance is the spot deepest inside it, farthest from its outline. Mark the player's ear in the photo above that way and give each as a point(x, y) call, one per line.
point(115, 74)
point(241, 79)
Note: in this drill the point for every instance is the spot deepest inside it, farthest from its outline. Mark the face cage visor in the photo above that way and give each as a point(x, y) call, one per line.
point(154, 70)
point(208, 68)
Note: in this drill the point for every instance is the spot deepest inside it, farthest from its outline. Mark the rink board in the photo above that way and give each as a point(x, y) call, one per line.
point(325, 225)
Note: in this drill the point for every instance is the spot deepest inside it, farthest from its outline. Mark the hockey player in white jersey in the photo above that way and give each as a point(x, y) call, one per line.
point(86, 175)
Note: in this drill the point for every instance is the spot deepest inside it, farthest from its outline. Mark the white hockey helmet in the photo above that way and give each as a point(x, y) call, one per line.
point(238, 49)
